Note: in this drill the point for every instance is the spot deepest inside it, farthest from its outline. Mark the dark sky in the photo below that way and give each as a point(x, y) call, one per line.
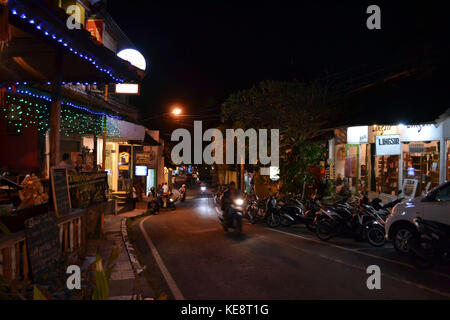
point(198, 52)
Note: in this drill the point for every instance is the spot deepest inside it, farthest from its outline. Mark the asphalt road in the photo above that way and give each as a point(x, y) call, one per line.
point(189, 256)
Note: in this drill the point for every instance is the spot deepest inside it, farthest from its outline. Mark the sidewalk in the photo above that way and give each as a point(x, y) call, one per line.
point(124, 283)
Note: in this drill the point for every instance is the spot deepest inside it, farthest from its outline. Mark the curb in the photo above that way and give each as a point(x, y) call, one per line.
point(138, 270)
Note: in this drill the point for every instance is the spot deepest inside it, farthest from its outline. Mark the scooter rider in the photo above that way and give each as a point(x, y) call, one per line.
point(183, 192)
point(227, 200)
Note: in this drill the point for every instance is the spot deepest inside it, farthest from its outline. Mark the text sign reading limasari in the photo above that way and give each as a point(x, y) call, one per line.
point(388, 145)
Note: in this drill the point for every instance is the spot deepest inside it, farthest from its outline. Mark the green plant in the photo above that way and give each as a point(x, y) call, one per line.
point(102, 276)
point(37, 294)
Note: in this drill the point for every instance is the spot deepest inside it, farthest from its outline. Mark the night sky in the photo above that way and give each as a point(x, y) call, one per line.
point(198, 52)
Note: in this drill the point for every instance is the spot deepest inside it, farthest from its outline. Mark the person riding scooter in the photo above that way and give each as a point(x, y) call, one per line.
point(182, 193)
point(229, 196)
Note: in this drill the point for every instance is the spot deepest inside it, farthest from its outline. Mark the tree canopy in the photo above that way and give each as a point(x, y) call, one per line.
point(299, 110)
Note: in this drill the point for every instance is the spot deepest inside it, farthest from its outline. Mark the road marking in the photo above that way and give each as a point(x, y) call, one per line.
point(170, 282)
point(435, 291)
point(356, 251)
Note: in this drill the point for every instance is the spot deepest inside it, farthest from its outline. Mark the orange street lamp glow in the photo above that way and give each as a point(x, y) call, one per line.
point(176, 111)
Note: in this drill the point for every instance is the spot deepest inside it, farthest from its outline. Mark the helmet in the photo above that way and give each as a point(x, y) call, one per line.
point(183, 185)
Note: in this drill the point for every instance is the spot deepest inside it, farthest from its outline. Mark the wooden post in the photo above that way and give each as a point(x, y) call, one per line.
point(26, 269)
point(95, 151)
point(17, 262)
point(55, 112)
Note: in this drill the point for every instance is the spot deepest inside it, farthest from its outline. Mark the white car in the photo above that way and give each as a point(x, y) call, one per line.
point(434, 206)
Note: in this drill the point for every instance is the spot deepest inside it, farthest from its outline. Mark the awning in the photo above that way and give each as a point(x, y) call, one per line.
point(39, 32)
point(124, 130)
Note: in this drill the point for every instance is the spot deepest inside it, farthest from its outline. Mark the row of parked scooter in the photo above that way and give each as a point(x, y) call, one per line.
point(357, 217)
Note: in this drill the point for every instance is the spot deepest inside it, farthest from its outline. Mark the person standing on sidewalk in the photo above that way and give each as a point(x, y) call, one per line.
point(135, 196)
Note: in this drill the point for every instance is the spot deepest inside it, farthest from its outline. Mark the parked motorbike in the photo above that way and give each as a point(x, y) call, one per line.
point(432, 246)
point(342, 218)
point(255, 210)
point(234, 219)
point(272, 214)
point(374, 226)
point(292, 212)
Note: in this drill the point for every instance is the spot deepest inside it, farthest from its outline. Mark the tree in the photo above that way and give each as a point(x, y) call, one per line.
point(299, 110)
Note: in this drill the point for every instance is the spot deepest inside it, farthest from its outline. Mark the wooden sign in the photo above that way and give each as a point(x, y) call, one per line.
point(60, 191)
point(42, 238)
point(143, 158)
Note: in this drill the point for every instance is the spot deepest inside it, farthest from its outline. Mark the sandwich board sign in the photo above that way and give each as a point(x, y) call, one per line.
point(60, 191)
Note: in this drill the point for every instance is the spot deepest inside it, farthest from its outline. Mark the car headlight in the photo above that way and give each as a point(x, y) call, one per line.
point(239, 202)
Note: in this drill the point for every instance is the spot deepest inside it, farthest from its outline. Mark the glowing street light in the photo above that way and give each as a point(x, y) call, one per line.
point(176, 111)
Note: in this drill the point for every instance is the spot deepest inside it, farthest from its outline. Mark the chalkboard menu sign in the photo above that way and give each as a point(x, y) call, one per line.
point(60, 191)
point(42, 237)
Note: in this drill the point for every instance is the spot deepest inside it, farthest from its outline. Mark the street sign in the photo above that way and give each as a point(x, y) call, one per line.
point(128, 88)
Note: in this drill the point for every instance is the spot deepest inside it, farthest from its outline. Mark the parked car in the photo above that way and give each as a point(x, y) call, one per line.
point(435, 206)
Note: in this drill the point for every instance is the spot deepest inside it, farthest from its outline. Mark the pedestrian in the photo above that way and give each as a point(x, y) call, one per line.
point(135, 197)
point(153, 191)
point(67, 163)
point(165, 188)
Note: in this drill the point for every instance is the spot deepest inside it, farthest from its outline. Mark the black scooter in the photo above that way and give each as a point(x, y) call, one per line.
point(292, 212)
point(234, 219)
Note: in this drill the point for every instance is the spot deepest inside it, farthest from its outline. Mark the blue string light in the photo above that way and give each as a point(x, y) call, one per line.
point(63, 102)
point(66, 44)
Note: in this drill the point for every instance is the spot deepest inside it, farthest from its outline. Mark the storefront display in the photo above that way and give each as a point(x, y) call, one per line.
point(386, 173)
point(421, 162)
point(415, 152)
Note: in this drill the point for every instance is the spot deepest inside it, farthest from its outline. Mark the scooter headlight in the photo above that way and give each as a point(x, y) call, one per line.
point(239, 202)
point(171, 200)
point(203, 188)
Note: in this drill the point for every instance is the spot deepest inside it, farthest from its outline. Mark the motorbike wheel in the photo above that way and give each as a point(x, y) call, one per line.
point(375, 235)
point(285, 222)
point(273, 220)
point(309, 223)
point(324, 230)
point(421, 253)
point(238, 227)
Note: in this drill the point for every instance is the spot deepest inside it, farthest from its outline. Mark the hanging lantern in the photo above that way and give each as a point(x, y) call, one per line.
point(5, 33)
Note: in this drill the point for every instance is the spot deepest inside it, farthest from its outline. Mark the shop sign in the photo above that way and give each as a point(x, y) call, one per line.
point(143, 158)
point(124, 158)
point(387, 145)
point(421, 132)
point(377, 130)
point(95, 27)
point(141, 171)
point(127, 88)
point(358, 135)
point(274, 173)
